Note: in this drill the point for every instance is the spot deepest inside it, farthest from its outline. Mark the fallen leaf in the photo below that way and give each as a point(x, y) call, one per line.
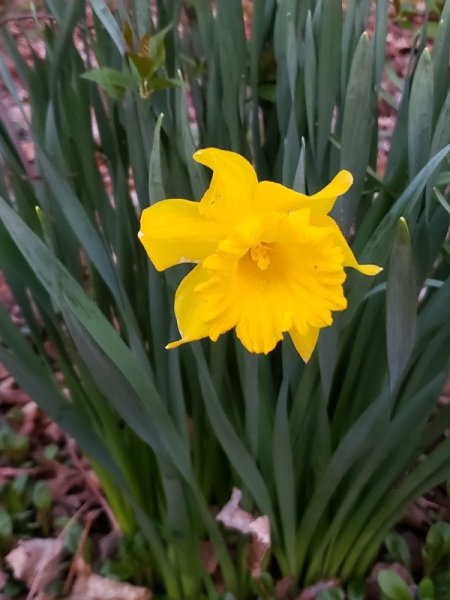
point(284, 588)
point(3, 578)
point(418, 514)
point(311, 592)
point(260, 532)
point(234, 517)
point(94, 587)
point(208, 557)
point(35, 561)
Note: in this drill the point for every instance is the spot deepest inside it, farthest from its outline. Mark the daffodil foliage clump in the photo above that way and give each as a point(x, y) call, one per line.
point(294, 414)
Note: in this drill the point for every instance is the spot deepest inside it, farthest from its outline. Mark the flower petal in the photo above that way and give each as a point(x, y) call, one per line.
point(272, 196)
point(232, 189)
point(326, 197)
point(341, 242)
point(190, 309)
point(174, 231)
point(293, 278)
point(306, 342)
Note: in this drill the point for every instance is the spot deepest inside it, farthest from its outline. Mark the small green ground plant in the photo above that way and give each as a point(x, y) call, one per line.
point(331, 451)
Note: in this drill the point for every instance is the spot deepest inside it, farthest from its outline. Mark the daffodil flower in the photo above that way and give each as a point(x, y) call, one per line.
point(268, 260)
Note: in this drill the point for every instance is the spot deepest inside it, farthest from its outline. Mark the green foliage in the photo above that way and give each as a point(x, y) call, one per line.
point(437, 547)
point(25, 507)
point(6, 530)
point(332, 451)
point(393, 587)
point(398, 549)
point(112, 81)
point(13, 446)
point(435, 582)
point(132, 561)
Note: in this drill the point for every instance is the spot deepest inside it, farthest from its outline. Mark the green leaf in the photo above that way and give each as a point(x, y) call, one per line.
point(72, 13)
point(393, 586)
point(359, 439)
point(109, 23)
point(156, 48)
point(375, 249)
point(232, 55)
point(441, 136)
point(42, 497)
point(436, 551)
point(83, 227)
point(99, 342)
point(441, 199)
point(230, 441)
point(401, 305)
point(155, 84)
point(356, 590)
point(439, 54)
point(6, 527)
point(143, 17)
point(381, 27)
point(420, 114)
point(198, 179)
point(114, 82)
point(398, 549)
point(328, 72)
point(283, 464)
point(442, 130)
point(310, 75)
point(426, 589)
point(356, 131)
point(156, 189)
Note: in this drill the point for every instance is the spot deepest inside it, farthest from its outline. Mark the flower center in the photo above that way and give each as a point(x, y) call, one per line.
point(261, 256)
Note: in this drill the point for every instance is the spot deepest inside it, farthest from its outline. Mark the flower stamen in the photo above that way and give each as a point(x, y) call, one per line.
point(261, 256)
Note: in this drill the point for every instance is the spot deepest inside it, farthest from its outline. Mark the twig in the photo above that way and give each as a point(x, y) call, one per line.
point(81, 544)
point(35, 585)
point(6, 472)
point(100, 499)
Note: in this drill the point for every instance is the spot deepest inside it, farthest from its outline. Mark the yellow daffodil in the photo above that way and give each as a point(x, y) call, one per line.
point(269, 260)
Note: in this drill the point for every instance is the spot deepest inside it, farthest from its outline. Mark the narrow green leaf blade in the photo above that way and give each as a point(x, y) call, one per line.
point(236, 451)
point(401, 305)
point(328, 75)
point(420, 115)
point(356, 130)
point(283, 465)
point(109, 23)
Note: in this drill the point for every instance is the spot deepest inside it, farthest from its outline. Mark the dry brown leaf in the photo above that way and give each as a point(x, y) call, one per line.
point(35, 561)
point(260, 532)
point(311, 592)
point(3, 372)
point(208, 557)
point(234, 517)
point(284, 588)
point(418, 514)
point(94, 587)
point(3, 578)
